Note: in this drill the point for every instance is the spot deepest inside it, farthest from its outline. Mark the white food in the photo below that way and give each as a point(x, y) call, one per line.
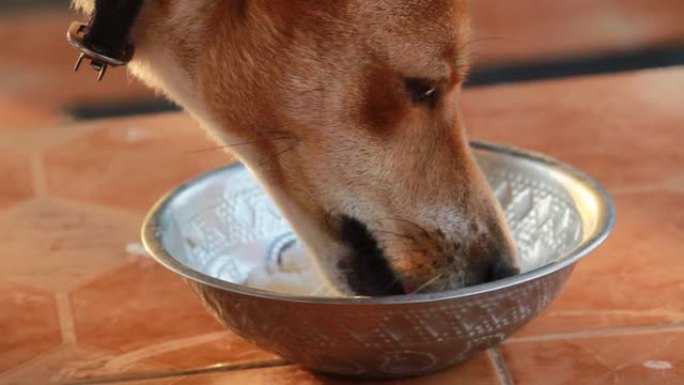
point(291, 274)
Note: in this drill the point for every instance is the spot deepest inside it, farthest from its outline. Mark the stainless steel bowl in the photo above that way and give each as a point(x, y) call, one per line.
point(557, 215)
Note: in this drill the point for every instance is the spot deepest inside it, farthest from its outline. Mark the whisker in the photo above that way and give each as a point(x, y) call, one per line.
point(229, 146)
point(261, 137)
point(395, 280)
point(485, 39)
point(428, 283)
point(318, 290)
point(419, 227)
point(292, 147)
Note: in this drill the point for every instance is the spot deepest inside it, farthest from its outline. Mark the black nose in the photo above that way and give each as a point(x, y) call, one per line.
point(490, 271)
point(500, 270)
point(492, 257)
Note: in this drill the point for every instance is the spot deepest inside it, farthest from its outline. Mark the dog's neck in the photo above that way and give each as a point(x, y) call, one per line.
point(157, 61)
point(171, 38)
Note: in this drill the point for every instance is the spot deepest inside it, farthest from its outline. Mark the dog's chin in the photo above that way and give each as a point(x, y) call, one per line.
point(365, 269)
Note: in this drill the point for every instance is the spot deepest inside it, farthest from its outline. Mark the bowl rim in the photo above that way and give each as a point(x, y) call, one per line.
point(605, 223)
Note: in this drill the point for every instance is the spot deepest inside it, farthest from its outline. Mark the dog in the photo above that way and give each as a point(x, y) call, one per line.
point(347, 111)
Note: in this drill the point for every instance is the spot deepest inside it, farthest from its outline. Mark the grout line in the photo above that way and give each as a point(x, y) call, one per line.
point(177, 373)
point(66, 320)
point(127, 359)
point(18, 207)
point(500, 364)
point(600, 333)
point(43, 357)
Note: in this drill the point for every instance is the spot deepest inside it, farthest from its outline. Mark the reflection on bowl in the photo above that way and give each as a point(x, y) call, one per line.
point(219, 227)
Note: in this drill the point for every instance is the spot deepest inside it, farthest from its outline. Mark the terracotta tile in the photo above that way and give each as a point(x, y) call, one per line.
point(635, 279)
point(54, 245)
point(652, 358)
point(144, 311)
point(64, 89)
point(37, 65)
point(29, 324)
point(132, 162)
point(537, 30)
point(18, 82)
point(15, 173)
point(621, 129)
point(69, 363)
point(221, 348)
point(16, 115)
point(480, 371)
point(35, 139)
point(21, 33)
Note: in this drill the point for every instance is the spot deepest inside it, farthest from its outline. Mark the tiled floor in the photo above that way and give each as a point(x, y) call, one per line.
point(524, 30)
point(77, 303)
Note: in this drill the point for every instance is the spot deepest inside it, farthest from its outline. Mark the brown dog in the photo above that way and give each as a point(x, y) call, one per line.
point(348, 112)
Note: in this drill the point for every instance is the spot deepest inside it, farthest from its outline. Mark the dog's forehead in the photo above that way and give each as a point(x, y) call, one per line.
point(434, 17)
point(417, 36)
point(423, 34)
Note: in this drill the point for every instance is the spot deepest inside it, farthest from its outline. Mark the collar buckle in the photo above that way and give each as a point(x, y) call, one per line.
point(99, 60)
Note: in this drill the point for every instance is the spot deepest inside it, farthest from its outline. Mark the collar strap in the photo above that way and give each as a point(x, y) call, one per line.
point(105, 40)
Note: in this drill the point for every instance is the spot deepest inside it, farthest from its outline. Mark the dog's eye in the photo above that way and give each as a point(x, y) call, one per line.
point(422, 91)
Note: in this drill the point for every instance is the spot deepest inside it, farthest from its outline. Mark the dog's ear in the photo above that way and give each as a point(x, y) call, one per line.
point(85, 6)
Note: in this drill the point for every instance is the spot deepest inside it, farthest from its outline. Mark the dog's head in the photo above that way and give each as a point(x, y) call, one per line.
point(348, 112)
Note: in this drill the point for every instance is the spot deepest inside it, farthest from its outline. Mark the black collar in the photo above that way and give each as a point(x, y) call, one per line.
point(105, 40)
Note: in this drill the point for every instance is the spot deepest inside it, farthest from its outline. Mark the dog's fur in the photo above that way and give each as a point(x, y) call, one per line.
point(326, 98)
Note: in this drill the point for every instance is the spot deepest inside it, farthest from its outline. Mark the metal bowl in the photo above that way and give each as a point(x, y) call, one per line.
point(556, 213)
